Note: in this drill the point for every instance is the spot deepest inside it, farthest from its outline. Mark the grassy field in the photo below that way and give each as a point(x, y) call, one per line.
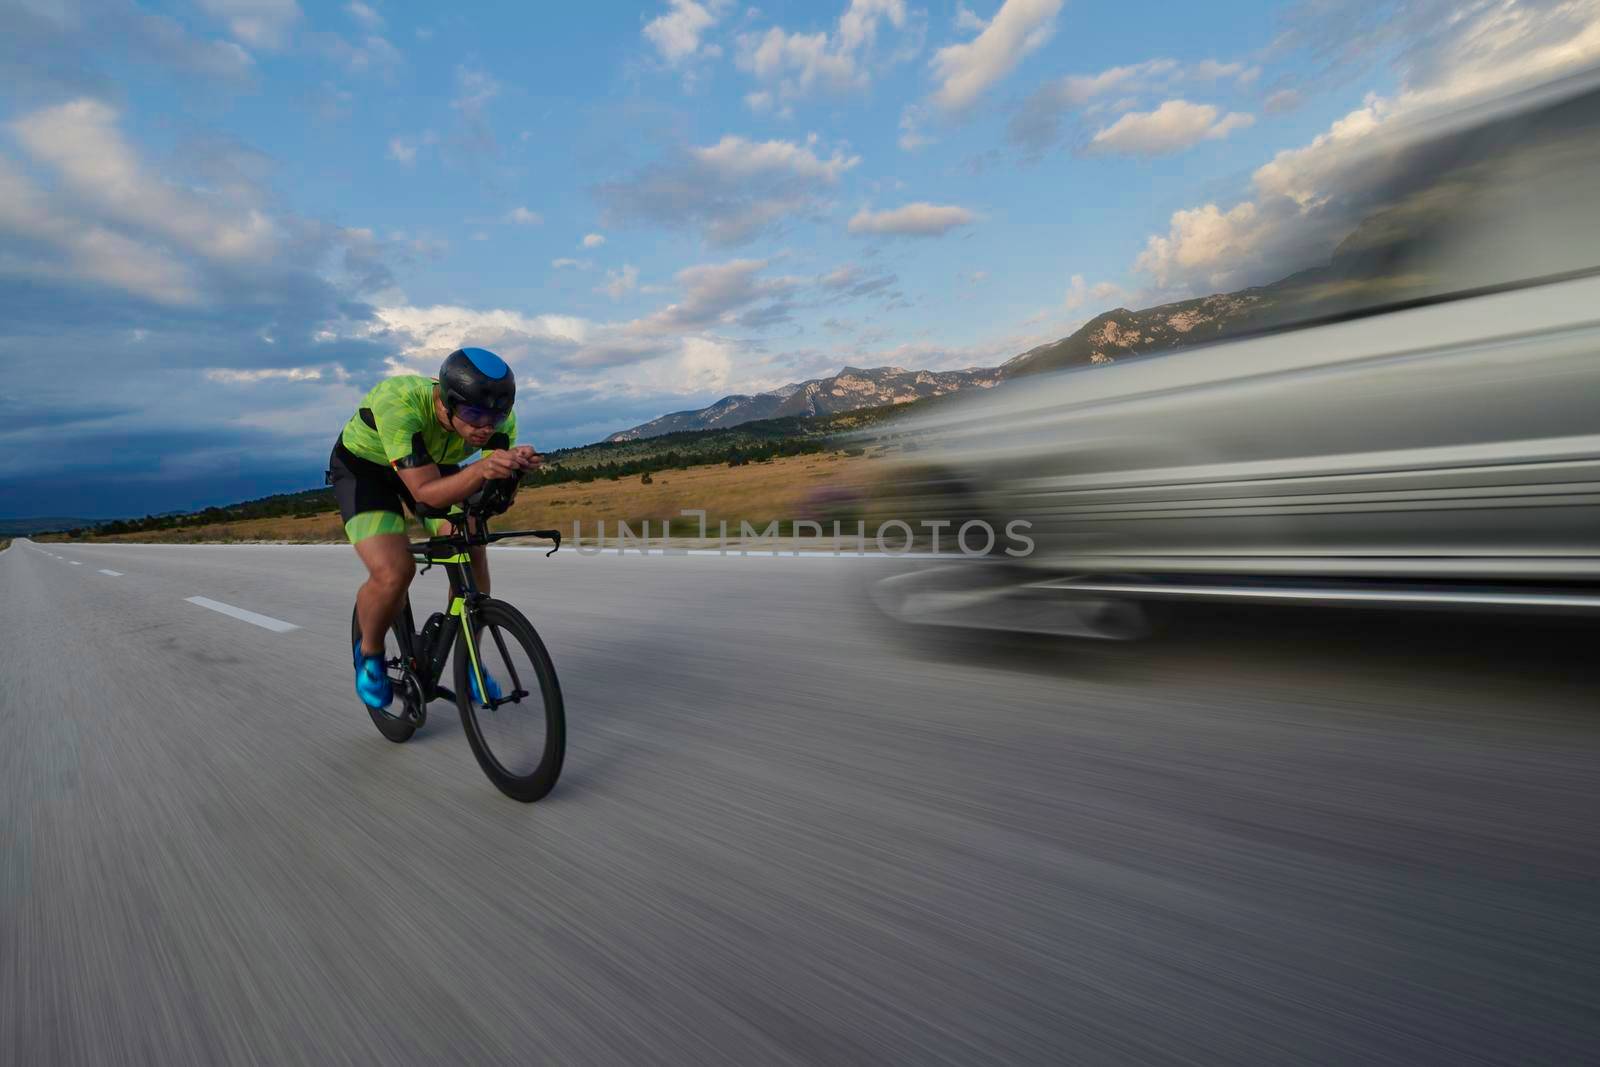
point(782, 489)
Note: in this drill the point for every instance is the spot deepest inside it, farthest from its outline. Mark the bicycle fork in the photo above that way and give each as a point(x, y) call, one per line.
point(460, 608)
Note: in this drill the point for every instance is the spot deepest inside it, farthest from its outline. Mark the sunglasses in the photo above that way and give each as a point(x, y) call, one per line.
point(481, 417)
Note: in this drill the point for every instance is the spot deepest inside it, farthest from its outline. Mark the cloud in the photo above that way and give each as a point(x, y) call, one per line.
point(1080, 293)
point(1305, 200)
point(566, 349)
point(1202, 239)
point(1175, 125)
point(705, 364)
point(850, 282)
point(911, 135)
point(364, 15)
point(1233, 120)
point(521, 216)
point(738, 159)
point(593, 240)
point(711, 293)
point(619, 283)
point(263, 24)
point(913, 220)
point(372, 54)
point(566, 263)
point(67, 248)
point(795, 65)
point(730, 191)
point(966, 71)
point(423, 336)
point(1036, 125)
point(403, 150)
point(1281, 101)
point(474, 90)
point(49, 51)
point(677, 34)
point(251, 377)
point(80, 142)
point(968, 21)
point(1216, 70)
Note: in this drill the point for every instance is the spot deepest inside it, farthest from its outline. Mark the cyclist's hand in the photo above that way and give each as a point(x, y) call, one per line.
point(531, 459)
point(504, 463)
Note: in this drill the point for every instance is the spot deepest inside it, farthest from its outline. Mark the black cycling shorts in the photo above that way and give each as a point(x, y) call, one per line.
point(372, 498)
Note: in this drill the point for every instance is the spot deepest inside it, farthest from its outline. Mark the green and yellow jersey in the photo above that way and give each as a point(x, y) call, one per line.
point(396, 425)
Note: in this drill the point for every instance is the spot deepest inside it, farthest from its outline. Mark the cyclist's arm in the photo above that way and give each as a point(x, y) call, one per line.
point(427, 486)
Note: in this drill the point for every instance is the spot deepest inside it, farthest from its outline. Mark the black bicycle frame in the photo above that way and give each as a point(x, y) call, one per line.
point(452, 553)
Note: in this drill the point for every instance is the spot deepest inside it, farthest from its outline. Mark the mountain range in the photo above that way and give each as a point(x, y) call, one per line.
point(851, 389)
point(1109, 336)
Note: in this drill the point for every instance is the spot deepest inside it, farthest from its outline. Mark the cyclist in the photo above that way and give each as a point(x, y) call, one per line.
point(405, 446)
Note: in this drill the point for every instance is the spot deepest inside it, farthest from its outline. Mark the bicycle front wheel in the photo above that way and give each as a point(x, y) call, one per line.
point(520, 735)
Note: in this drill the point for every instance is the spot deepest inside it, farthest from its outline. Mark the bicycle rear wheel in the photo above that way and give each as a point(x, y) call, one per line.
point(521, 738)
point(400, 719)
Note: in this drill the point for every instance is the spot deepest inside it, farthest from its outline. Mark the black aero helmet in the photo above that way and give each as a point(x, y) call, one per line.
point(477, 386)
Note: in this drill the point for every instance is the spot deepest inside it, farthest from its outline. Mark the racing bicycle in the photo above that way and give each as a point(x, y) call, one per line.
point(514, 720)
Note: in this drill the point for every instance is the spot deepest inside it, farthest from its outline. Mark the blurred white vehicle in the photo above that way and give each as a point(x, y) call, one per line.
point(1416, 421)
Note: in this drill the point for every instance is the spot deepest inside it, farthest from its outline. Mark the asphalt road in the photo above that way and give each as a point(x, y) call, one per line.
point(784, 835)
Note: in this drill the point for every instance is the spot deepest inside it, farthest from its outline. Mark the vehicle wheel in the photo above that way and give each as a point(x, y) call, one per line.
point(521, 742)
point(399, 720)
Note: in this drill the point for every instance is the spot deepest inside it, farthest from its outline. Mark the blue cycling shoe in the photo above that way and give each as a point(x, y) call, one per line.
point(372, 681)
point(488, 682)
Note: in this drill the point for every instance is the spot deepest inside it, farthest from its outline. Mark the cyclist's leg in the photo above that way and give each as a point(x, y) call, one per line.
point(390, 569)
point(369, 503)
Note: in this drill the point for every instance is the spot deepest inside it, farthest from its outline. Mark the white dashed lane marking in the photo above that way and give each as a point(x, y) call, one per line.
point(266, 622)
point(114, 574)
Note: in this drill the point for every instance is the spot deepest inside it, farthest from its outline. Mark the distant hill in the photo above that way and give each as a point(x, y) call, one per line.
point(1119, 333)
point(852, 389)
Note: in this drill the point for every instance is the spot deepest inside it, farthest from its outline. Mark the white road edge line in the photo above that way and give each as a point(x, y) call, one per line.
point(75, 563)
point(266, 622)
point(114, 574)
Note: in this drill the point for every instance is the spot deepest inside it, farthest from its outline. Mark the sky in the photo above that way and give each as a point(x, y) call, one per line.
point(222, 221)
